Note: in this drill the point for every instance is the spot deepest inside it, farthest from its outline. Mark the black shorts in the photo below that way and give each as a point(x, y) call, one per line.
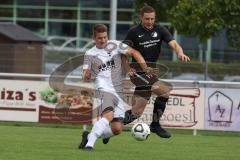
point(143, 85)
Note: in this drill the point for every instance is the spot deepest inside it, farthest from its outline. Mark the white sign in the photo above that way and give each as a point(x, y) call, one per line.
point(34, 101)
point(185, 109)
point(19, 100)
point(222, 109)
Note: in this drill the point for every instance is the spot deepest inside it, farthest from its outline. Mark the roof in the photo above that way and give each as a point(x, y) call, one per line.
point(18, 33)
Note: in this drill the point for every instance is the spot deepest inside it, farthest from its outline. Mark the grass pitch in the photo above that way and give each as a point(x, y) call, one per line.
point(44, 142)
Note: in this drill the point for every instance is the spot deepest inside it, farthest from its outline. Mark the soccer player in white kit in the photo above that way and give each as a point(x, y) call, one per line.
point(104, 64)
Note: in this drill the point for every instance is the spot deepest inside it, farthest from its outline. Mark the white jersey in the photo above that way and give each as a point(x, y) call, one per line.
point(106, 65)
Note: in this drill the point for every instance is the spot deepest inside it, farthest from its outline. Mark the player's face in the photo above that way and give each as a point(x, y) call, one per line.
point(101, 40)
point(148, 19)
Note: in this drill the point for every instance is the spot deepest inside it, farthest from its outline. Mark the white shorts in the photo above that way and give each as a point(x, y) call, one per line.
point(110, 99)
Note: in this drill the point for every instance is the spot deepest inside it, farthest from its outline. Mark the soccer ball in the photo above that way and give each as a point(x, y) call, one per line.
point(140, 131)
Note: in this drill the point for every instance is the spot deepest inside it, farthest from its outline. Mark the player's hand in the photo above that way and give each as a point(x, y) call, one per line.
point(151, 71)
point(183, 57)
point(131, 72)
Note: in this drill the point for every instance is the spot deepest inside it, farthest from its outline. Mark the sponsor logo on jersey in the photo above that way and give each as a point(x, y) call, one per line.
point(154, 34)
point(107, 66)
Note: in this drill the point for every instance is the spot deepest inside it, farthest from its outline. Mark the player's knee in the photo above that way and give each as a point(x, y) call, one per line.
point(117, 130)
point(167, 94)
point(117, 125)
point(161, 88)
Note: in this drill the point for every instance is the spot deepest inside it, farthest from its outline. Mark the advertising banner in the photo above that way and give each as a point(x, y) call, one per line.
point(193, 108)
point(222, 109)
point(185, 109)
point(35, 101)
point(19, 100)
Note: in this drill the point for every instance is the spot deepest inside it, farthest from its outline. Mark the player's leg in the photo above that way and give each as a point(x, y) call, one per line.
point(141, 96)
point(117, 122)
point(88, 140)
point(139, 104)
point(104, 99)
point(162, 89)
point(140, 100)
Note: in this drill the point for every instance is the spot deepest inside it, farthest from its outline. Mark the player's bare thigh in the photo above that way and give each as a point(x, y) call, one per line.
point(161, 88)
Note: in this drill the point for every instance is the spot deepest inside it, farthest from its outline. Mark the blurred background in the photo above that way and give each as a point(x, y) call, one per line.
point(38, 35)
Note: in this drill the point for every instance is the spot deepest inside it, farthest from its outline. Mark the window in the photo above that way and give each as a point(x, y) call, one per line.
point(62, 29)
point(31, 13)
point(63, 14)
point(125, 4)
point(63, 3)
point(31, 2)
point(124, 16)
point(6, 12)
point(86, 30)
point(95, 3)
point(95, 15)
point(122, 31)
point(37, 27)
point(6, 21)
point(6, 2)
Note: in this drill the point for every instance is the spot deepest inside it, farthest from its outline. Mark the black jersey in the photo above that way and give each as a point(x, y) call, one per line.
point(148, 42)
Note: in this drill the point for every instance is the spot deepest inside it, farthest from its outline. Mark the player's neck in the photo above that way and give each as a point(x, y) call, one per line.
point(101, 47)
point(147, 28)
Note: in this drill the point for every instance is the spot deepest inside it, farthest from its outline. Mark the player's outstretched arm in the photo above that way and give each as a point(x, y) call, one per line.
point(179, 51)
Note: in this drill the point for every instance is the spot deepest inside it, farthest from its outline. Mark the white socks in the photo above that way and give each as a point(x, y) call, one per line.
point(98, 129)
point(107, 133)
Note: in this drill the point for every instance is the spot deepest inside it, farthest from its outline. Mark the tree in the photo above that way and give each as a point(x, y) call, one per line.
point(197, 18)
point(230, 11)
point(206, 18)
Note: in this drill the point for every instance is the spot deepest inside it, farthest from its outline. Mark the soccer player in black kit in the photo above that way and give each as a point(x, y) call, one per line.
point(147, 38)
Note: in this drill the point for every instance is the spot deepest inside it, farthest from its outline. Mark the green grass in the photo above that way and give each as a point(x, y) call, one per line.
point(54, 142)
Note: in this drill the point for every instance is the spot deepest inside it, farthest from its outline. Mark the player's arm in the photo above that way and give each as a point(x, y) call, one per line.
point(179, 51)
point(127, 69)
point(86, 76)
point(140, 60)
point(125, 63)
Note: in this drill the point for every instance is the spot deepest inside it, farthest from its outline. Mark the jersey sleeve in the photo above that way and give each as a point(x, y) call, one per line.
point(166, 35)
point(122, 48)
point(87, 61)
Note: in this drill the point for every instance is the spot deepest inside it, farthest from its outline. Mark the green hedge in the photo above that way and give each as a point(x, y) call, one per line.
point(197, 67)
point(216, 69)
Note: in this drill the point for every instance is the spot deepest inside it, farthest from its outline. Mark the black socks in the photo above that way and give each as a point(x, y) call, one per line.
point(159, 107)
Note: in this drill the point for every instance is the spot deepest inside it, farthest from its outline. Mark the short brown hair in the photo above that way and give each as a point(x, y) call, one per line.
point(99, 28)
point(146, 9)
